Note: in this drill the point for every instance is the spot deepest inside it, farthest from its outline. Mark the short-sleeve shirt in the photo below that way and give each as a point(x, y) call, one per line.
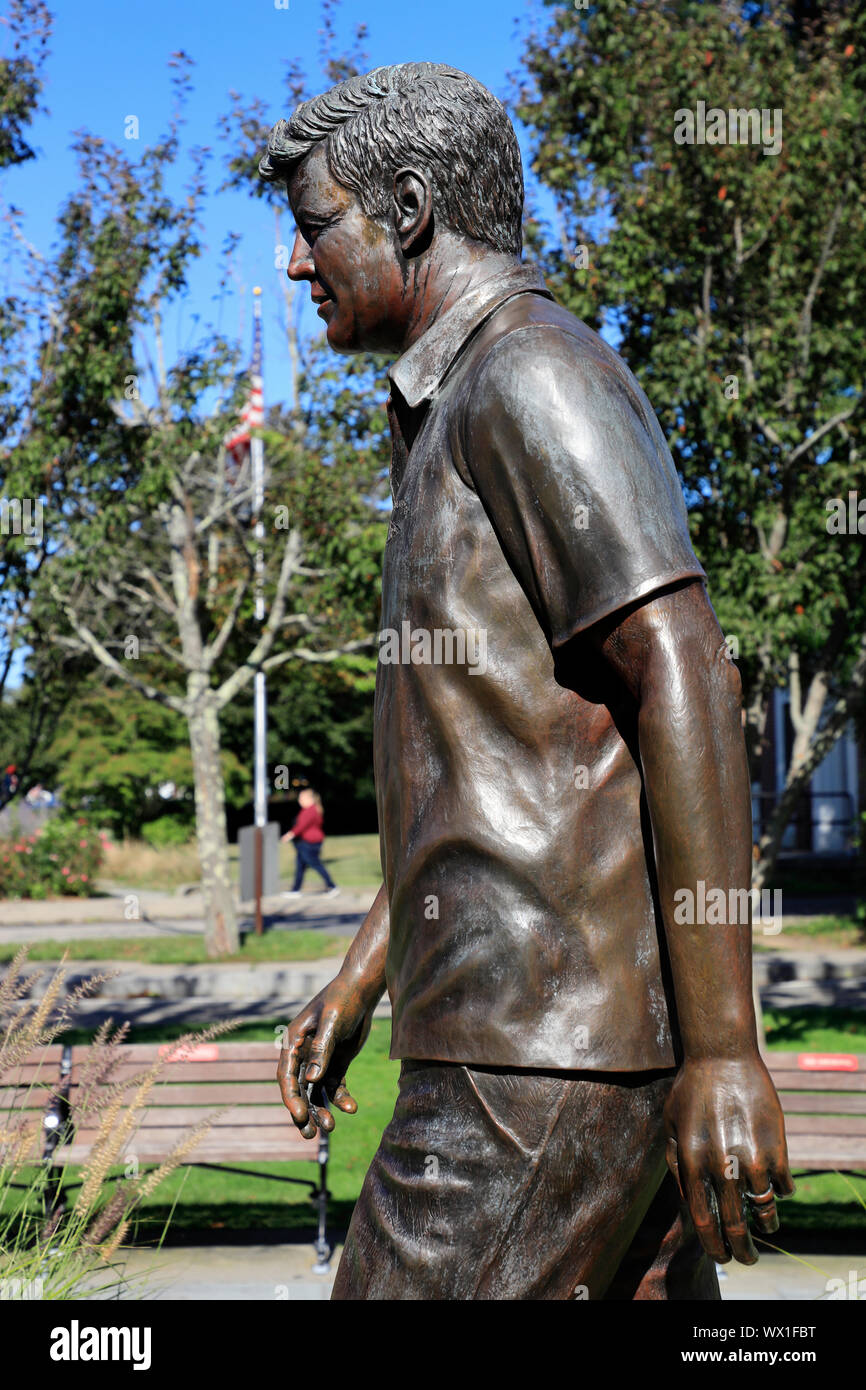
point(534, 495)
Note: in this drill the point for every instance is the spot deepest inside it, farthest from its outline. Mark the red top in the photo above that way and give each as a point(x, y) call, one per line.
point(308, 826)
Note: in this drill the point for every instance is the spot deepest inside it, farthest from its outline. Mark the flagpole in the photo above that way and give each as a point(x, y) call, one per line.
point(257, 460)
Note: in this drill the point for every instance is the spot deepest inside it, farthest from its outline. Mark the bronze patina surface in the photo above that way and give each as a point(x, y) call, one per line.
point(559, 755)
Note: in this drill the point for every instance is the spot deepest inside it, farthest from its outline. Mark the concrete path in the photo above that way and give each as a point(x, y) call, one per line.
point(274, 1273)
point(781, 1278)
point(77, 919)
point(123, 909)
point(261, 1273)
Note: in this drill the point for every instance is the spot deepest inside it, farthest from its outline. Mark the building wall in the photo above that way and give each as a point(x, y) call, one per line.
point(828, 822)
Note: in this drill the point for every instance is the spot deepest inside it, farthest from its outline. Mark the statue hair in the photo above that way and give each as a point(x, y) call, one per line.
point(426, 115)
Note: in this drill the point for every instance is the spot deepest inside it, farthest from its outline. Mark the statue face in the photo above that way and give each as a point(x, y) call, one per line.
point(349, 259)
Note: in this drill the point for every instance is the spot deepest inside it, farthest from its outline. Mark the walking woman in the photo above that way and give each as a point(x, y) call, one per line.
point(309, 836)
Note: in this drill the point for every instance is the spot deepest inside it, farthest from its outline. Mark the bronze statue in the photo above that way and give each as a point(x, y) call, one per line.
point(583, 1110)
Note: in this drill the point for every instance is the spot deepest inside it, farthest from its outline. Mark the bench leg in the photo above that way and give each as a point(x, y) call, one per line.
point(323, 1249)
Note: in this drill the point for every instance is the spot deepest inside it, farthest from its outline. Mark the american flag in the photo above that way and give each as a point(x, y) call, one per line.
point(253, 414)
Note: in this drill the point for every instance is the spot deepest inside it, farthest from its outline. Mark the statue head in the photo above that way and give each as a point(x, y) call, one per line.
point(392, 178)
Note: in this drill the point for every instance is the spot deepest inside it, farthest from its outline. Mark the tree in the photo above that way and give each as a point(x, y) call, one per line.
point(321, 718)
point(329, 458)
point(731, 271)
point(112, 751)
point(151, 563)
point(22, 551)
point(28, 26)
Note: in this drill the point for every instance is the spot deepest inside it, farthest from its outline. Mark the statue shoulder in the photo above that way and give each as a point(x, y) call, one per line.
point(533, 357)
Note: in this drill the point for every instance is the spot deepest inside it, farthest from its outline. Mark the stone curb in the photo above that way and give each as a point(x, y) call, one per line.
point(257, 982)
point(271, 979)
point(265, 979)
point(841, 965)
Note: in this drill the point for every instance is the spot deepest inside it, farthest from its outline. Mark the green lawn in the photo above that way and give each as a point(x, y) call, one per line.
point(353, 861)
point(815, 1030)
point(303, 944)
point(826, 1206)
point(832, 931)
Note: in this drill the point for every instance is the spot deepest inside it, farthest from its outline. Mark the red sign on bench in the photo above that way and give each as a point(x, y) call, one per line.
point(827, 1061)
point(190, 1052)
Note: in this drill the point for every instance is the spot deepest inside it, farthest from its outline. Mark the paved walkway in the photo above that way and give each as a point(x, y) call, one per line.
point(260, 1273)
point(285, 1272)
point(166, 913)
point(81, 919)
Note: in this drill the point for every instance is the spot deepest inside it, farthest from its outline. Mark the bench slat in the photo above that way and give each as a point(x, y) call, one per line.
point(838, 1103)
point(219, 1093)
point(232, 1151)
point(23, 1098)
point(828, 1124)
point(26, 1074)
point(240, 1117)
point(142, 1054)
point(149, 1145)
point(818, 1080)
point(52, 1053)
point(818, 1151)
point(180, 1072)
point(790, 1060)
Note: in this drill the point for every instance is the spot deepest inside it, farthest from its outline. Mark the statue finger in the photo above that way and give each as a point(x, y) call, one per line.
point(734, 1222)
point(339, 1096)
point(703, 1210)
point(760, 1201)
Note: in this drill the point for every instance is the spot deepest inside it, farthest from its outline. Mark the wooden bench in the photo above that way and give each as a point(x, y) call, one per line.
point(823, 1096)
point(200, 1079)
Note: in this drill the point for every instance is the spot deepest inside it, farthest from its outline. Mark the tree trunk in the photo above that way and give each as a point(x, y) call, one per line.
point(221, 928)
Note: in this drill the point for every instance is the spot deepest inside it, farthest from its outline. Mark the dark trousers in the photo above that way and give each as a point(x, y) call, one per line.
point(308, 858)
point(490, 1184)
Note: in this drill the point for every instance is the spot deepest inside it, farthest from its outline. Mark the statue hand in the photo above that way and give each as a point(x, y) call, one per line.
point(725, 1138)
point(318, 1047)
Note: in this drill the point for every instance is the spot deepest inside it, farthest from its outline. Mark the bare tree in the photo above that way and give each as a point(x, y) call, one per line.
point(174, 600)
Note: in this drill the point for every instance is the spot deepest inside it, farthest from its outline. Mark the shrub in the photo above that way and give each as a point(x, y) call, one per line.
point(60, 859)
point(165, 831)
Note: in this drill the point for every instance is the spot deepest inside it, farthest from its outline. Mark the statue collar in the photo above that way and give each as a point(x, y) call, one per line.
point(418, 372)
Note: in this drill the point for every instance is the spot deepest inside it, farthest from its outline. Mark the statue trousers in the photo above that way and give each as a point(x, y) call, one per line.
point(499, 1184)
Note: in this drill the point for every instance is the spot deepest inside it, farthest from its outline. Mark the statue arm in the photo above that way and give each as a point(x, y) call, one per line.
point(326, 1035)
point(724, 1125)
point(364, 964)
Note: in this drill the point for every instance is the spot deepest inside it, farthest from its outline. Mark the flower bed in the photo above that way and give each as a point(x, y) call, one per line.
point(60, 859)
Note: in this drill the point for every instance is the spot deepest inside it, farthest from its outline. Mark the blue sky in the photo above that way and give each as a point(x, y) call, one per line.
point(109, 61)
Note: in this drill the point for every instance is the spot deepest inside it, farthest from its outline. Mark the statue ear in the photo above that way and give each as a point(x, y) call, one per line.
point(413, 209)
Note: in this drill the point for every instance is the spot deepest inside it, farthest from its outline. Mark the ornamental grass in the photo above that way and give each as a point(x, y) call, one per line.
point(72, 1251)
